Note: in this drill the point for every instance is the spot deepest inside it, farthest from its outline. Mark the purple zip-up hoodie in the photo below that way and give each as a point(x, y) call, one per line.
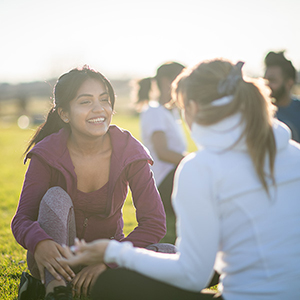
point(51, 165)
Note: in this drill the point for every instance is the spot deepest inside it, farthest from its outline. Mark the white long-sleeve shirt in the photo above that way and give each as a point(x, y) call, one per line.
point(226, 221)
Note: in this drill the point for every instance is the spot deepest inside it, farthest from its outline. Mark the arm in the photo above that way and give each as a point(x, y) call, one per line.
point(192, 267)
point(25, 227)
point(160, 144)
point(150, 213)
point(198, 230)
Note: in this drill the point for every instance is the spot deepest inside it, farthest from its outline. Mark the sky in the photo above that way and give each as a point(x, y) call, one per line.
point(130, 38)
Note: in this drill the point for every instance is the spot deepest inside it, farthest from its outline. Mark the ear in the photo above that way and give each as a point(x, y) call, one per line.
point(192, 108)
point(289, 83)
point(63, 115)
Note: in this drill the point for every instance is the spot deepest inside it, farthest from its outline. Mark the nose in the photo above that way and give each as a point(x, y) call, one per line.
point(97, 106)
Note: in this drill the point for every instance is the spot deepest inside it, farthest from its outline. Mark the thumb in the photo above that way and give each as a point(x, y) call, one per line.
point(65, 251)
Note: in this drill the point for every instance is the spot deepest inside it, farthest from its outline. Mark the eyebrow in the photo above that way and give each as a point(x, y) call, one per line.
point(90, 95)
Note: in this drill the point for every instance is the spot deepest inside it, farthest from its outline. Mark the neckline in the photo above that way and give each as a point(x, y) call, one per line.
point(94, 192)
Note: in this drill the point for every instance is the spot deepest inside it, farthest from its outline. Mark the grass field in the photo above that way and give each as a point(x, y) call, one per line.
point(13, 142)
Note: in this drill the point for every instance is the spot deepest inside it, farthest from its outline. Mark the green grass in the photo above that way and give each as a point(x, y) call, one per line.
point(13, 142)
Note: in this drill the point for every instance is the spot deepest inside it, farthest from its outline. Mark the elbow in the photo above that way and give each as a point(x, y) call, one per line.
point(192, 283)
point(161, 154)
point(163, 230)
point(13, 225)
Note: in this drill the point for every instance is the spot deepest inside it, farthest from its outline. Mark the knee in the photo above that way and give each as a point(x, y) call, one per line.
point(56, 200)
point(162, 247)
point(56, 196)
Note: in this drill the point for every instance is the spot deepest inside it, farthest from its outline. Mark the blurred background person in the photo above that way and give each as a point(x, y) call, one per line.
point(281, 76)
point(162, 132)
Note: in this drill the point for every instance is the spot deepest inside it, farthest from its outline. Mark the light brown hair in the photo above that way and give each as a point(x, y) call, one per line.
point(201, 85)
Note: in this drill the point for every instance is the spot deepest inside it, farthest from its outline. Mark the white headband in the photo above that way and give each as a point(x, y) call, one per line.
point(222, 101)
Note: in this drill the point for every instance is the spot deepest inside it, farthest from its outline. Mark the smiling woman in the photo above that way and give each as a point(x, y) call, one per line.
point(77, 181)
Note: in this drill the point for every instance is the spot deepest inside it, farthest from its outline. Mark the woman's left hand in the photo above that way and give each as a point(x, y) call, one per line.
point(85, 279)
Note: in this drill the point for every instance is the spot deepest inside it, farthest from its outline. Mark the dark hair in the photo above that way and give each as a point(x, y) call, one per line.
point(278, 59)
point(64, 91)
point(144, 89)
point(169, 70)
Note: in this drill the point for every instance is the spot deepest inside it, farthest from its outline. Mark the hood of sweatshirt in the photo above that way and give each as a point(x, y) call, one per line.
point(226, 134)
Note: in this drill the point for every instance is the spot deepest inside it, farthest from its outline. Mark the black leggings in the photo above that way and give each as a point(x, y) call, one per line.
point(117, 284)
point(165, 191)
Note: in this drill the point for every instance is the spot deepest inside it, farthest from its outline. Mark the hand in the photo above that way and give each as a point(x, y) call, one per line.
point(47, 253)
point(85, 279)
point(84, 253)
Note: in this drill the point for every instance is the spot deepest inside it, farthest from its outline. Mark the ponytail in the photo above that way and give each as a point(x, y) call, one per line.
point(52, 124)
point(143, 88)
point(257, 113)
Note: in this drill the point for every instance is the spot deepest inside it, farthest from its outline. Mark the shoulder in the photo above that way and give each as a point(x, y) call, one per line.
point(195, 180)
point(52, 146)
point(199, 162)
point(126, 146)
point(154, 109)
point(295, 101)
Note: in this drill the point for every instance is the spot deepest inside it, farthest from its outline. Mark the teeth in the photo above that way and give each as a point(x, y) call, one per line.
point(98, 120)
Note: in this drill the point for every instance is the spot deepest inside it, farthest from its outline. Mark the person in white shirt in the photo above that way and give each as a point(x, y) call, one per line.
point(162, 133)
point(237, 200)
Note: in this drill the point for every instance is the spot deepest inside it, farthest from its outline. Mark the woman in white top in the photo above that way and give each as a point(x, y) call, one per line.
point(162, 132)
point(237, 201)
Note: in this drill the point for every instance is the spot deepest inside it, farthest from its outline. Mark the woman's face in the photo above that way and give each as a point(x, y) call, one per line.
point(90, 112)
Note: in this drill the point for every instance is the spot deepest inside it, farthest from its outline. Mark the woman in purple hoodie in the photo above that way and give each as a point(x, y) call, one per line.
point(77, 181)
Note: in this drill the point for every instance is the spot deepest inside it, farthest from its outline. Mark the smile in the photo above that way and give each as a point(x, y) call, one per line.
point(97, 120)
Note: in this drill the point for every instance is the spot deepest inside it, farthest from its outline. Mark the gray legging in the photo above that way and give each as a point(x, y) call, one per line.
point(56, 217)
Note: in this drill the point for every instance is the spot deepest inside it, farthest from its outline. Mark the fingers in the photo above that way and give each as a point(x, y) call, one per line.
point(72, 261)
point(57, 270)
point(79, 246)
point(42, 273)
point(86, 278)
point(52, 270)
point(102, 268)
point(65, 251)
point(81, 284)
point(46, 255)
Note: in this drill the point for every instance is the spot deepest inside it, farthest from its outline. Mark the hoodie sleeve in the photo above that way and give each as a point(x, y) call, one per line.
point(25, 227)
point(150, 213)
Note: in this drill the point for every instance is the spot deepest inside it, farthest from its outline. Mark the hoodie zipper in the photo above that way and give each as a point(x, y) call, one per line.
point(85, 224)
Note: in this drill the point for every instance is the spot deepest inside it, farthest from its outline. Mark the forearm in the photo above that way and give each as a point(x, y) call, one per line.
point(28, 233)
point(170, 156)
point(25, 227)
point(168, 268)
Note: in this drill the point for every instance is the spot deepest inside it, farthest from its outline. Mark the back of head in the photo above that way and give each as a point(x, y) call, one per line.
point(169, 70)
point(220, 91)
point(278, 59)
